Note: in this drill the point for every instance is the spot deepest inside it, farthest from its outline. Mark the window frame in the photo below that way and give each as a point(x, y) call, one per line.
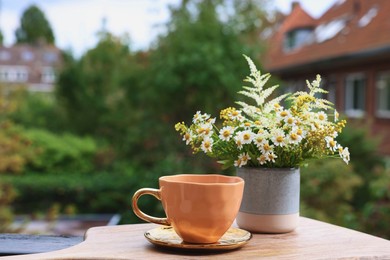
point(378, 111)
point(349, 106)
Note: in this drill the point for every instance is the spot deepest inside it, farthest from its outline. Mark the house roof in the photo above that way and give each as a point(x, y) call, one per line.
point(349, 27)
point(298, 18)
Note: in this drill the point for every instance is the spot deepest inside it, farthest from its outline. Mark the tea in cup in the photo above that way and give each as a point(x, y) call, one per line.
point(199, 207)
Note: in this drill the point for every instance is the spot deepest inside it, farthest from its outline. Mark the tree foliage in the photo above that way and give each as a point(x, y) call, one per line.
point(34, 27)
point(198, 64)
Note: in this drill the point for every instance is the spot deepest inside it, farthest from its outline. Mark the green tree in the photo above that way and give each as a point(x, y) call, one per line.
point(101, 95)
point(34, 27)
point(1, 38)
point(198, 64)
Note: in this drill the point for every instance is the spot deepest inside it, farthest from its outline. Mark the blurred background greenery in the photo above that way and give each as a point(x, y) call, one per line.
point(107, 130)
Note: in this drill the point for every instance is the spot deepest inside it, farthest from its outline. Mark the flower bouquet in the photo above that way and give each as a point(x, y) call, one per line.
point(282, 132)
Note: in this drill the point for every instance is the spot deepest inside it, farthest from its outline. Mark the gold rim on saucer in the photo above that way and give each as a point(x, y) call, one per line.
point(167, 237)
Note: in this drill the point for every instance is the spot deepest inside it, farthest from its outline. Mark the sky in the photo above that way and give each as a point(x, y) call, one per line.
point(76, 22)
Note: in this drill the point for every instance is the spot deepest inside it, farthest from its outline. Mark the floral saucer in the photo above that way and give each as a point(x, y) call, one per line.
point(167, 237)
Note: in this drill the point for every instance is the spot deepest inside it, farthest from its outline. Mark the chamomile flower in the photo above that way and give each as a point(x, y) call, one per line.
point(262, 159)
point(294, 138)
point(278, 138)
point(245, 137)
point(345, 155)
point(207, 145)
point(266, 147)
point(236, 115)
point(242, 160)
point(336, 115)
point(271, 157)
point(282, 114)
point(205, 130)
point(321, 116)
point(258, 139)
point(331, 144)
point(290, 120)
point(199, 117)
point(226, 133)
point(238, 142)
point(299, 131)
point(247, 125)
point(187, 137)
point(277, 107)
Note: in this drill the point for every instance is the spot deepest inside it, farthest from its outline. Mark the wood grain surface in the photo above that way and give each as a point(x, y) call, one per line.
point(311, 240)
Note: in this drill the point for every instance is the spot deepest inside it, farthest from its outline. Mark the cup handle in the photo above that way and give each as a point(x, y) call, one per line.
point(147, 191)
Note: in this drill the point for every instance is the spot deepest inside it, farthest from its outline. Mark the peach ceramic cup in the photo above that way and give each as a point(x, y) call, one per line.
point(200, 207)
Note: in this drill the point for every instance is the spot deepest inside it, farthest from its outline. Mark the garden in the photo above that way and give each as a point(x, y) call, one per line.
point(108, 129)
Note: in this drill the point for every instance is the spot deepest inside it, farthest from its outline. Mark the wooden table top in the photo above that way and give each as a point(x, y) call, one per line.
point(311, 240)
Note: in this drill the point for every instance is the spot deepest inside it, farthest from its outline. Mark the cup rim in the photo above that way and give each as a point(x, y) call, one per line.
point(175, 179)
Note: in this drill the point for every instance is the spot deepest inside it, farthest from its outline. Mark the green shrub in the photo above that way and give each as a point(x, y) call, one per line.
point(37, 110)
point(376, 212)
point(327, 189)
point(7, 195)
point(15, 149)
point(100, 192)
point(64, 152)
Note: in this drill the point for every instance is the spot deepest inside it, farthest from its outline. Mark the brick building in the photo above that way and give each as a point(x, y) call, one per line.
point(32, 66)
point(349, 46)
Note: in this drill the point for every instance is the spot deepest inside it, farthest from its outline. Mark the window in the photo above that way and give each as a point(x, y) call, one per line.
point(297, 38)
point(5, 55)
point(13, 74)
point(383, 94)
point(50, 57)
point(368, 17)
point(329, 30)
point(21, 75)
point(3, 75)
point(355, 88)
point(48, 75)
point(27, 56)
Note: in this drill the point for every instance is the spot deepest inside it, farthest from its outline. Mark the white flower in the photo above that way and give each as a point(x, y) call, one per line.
point(207, 145)
point(262, 159)
point(336, 115)
point(236, 115)
point(226, 133)
point(283, 114)
point(258, 139)
point(277, 107)
point(271, 157)
point(187, 137)
point(299, 131)
point(242, 160)
point(316, 126)
point(205, 130)
point(266, 147)
point(294, 138)
point(344, 154)
point(238, 142)
point(290, 120)
point(198, 117)
point(245, 137)
point(322, 116)
point(331, 144)
point(278, 138)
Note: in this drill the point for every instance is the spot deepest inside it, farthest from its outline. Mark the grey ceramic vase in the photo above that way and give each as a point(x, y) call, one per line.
point(270, 203)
